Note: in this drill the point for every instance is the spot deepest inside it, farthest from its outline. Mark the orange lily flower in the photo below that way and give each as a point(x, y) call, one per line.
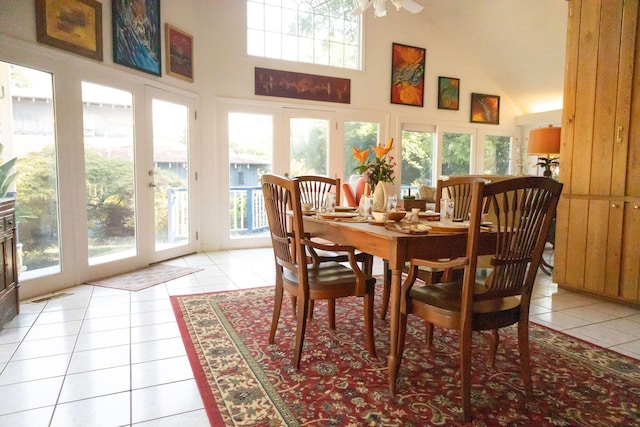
point(360, 155)
point(382, 151)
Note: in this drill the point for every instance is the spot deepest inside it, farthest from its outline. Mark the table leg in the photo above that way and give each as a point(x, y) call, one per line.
point(396, 276)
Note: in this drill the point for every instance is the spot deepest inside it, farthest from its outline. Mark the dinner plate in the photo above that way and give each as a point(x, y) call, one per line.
point(374, 222)
point(334, 215)
point(345, 209)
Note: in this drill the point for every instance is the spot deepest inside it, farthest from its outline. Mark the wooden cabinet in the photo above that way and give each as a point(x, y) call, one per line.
point(9, 301)
point(598, 217)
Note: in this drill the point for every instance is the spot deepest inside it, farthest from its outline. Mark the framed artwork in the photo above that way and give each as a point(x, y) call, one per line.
point(178, 53)
point(407, 75)
point(288, 84)
point(485, 109)
point(72, 25)
point(136, 34)
point(448, 93)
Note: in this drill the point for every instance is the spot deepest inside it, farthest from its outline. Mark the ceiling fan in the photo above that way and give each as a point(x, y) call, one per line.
point(380, 6)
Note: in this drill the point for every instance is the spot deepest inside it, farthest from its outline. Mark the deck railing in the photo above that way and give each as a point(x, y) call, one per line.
point(247, 214)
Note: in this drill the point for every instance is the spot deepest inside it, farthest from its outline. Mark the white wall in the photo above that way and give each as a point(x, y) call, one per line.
point(223, 70)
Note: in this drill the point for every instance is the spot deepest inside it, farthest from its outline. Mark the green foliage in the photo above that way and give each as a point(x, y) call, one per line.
point(417, 158)
point(7, 176)
point(361, 136)
point(456, 154)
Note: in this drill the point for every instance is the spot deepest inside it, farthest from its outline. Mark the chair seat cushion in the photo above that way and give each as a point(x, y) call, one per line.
point(447, 296)
point(328, 275)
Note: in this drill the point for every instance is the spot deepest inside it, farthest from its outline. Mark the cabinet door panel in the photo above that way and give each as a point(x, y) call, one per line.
point(596, 250)
point(630, 263)
point(577, 243)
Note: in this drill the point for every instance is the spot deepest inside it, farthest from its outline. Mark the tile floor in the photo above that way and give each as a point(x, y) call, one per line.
point(104, 357)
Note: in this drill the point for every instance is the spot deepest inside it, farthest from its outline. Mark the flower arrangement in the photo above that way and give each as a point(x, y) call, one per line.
point(380, 169)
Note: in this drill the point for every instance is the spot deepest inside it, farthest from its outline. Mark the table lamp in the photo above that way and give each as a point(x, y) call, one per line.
point(545, 143)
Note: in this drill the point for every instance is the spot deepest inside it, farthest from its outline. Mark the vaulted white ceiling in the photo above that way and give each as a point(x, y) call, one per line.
point(520, 43)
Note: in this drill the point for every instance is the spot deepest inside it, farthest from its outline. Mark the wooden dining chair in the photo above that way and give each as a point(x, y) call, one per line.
point(314, 189)
point(304, 276)
point(523, 210)
point(458, 189)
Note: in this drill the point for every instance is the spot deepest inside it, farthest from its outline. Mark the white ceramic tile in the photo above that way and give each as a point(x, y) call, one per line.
point(618, 309)
point(605, 335)
point(631, 349)
point(32, 418)
point(164, 400)
point(109, 357)
point(150, 306)
point(161, 371)
point(59, 316)
point(100, 324)
point(45, 347)
point(13, 335)
point(22, 319)
point(104, 411)
point(29, 395)
point(7, 351)
point(623, 325)
point(193, 418)
point(158, 349)
point(35, 369)
point(154, 332)
point(589, 314)
point(91, 384)
point(103, 339)
point(107, 310)
point(52, 330)
point(558, 320)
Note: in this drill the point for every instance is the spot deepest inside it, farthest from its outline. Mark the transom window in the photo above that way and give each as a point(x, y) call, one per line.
point(314, 31)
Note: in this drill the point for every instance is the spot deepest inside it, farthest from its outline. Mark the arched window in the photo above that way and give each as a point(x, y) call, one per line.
point(314, 31)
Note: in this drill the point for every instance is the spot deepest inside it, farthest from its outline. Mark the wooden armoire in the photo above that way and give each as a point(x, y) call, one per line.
point(597, 247)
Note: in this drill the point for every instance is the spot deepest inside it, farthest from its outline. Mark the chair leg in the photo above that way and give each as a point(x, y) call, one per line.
point(386, 291)
point(465, 373)
point(311, 305)
point(368, 324)
point(294, 301)
point(428, 332)
point(276, 312)
point(525, 360)
point(494, 338)
point(331, 309)
point(300, 330)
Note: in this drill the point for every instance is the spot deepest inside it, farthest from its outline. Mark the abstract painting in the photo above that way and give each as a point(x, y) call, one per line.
point(179, 53)
point(485, 109)
point(302, 86)
point(72, 25)
point(407, 75)
point(448, 93)
point(136, 34)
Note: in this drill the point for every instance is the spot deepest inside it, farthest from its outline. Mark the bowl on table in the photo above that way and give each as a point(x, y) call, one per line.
point(396, 216)
point(380, 216)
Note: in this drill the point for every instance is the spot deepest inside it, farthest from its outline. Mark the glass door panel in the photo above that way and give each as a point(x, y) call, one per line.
point(359, 135)
point(109, 172)
point(308, 146)
point(170, 123)
point(27, 132)
point(497, 155)
point(456, 153)
point(250, 156)
point(418, 160)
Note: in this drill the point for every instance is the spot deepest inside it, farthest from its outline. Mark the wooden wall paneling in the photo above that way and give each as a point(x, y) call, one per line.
point(585, 93)
point(569, 98)
point(604, 121)
point(595, 255)
point(630, 259)
point(613, 249)
point(630, 40)
point(632, 184)
point(577, 244)
point(561, 244)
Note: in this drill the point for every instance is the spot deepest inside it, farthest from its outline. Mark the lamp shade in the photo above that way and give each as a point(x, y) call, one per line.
point(544, 141)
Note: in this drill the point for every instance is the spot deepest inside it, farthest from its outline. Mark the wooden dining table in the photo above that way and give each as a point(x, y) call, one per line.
point(397, 248)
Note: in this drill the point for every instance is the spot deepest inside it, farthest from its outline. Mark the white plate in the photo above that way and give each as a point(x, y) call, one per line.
point(334, 215)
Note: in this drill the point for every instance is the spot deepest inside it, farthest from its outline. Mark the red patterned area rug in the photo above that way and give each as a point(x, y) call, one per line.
point(145, 277)
point(245, 381)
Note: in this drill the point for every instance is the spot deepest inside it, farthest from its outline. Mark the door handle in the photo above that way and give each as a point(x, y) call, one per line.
point(151, 185)
point(618, 130)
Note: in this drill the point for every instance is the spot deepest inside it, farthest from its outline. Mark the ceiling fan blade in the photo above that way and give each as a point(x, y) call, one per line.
point(412, 6)
point(361, 6)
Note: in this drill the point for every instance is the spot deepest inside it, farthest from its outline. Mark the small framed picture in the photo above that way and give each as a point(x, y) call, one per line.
point(448, 93)
point(136, 35)
point(407, 75)
point(72, 25)
point(179, 53)
point(485, 109)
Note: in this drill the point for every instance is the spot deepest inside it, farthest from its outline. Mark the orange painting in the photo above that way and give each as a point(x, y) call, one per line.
point(485, 109)
point(72, 25)
point(407, 75)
